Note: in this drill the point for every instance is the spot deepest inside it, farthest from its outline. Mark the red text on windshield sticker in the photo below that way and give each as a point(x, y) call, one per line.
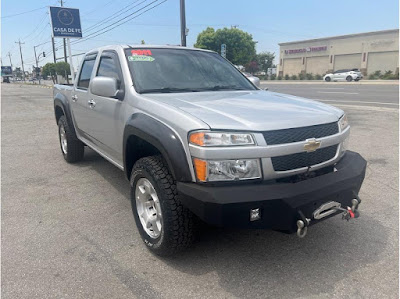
point(141, 52)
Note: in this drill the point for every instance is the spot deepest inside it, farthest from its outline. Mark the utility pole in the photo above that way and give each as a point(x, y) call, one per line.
point(54, 50)
point(183, 24)
point(22, 60)
point(9, 56)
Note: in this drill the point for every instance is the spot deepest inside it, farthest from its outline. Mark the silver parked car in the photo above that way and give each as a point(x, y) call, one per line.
point(344, 75)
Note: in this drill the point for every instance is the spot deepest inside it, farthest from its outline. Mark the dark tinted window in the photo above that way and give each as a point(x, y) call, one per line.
point(86, 72)
point(108, 67)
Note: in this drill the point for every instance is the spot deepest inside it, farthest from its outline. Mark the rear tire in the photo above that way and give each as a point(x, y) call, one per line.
point(349, 79)
point(172, 226)
point(71, 148)
point(328, 79)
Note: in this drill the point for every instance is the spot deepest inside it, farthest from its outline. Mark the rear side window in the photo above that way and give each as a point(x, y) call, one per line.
point(108, 67)
point(86, 73)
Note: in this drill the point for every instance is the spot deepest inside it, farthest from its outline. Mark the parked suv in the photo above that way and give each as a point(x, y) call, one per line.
point(199, 142)
point(344, 75)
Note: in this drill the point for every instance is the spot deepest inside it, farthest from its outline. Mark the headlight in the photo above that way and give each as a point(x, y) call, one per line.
point(227, 170)
point(220, 139)
point(343, 123)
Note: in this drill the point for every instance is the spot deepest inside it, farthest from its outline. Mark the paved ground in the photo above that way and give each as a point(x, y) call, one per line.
point(343, 93)
point(68, 232)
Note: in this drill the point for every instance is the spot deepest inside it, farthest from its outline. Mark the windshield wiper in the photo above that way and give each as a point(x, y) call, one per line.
point(168, 90)
point(224, 87)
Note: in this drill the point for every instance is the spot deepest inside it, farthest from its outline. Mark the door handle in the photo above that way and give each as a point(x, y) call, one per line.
point(91, 103)
point(74, 98)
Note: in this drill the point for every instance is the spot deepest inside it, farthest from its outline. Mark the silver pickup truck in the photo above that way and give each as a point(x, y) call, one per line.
point(200, 143)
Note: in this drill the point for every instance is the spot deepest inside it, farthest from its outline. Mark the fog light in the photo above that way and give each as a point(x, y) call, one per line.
point(255, 214)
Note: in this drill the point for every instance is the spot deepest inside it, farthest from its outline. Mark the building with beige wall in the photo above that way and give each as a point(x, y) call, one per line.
point(369, 52)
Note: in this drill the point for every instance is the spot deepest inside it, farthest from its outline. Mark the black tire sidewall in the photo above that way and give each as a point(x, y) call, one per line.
point(328, 79)
point(75, 148)
point(349, 79)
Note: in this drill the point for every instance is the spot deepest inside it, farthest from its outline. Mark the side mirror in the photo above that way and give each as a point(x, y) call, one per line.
point(104, 87)
point(255, 81)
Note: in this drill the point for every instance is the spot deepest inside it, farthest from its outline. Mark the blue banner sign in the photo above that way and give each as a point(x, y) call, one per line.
point(65, 22)
point(6, 71)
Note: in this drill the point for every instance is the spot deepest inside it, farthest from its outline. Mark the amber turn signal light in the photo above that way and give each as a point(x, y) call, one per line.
point(200, 167)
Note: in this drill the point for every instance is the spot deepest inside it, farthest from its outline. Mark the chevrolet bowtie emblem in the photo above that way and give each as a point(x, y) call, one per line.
point(312, 145)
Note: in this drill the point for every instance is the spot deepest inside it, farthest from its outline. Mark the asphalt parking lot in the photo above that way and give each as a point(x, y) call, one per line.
point(68, 230)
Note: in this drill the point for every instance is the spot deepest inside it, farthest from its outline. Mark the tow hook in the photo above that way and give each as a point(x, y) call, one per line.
point(302, 225)
point(352, 212)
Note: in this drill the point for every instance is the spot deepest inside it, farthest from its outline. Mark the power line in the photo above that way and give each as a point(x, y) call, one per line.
point(22, 13)
point(94, 34)
point(116, 14)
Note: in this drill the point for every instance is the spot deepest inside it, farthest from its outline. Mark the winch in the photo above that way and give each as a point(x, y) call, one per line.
point(325, 210)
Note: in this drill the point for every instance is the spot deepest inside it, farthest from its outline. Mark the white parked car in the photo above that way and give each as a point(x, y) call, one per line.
point(344, 75)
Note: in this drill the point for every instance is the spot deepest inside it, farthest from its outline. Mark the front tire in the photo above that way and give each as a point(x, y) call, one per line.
point(71, 148)
point(328, 79)
point(165, 225)
point(349, 79)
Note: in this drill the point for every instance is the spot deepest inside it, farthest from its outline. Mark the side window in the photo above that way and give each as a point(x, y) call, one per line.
point(86, 72)
point(108, 67)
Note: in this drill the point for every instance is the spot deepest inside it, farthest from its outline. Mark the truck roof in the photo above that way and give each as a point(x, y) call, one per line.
point(109, 47)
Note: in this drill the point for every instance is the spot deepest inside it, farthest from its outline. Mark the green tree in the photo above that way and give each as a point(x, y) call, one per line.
point(62, 68)
point(240, 47)
point(265, 60)
point(49, 70)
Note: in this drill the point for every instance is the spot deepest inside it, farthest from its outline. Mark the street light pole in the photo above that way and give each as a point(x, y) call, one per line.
point(183, 24)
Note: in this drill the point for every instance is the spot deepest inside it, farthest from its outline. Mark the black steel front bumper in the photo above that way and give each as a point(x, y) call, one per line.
point(279, 203)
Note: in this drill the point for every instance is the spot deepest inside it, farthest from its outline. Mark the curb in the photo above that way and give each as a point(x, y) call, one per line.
point(35, 85)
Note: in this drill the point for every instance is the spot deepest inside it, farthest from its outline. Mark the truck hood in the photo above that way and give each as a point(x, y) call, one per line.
point(251, 110)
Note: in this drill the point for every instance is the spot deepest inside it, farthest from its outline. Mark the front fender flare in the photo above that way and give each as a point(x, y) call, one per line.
point(161, 137)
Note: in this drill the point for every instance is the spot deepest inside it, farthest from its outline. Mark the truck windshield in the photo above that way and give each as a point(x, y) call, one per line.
point(157, 70)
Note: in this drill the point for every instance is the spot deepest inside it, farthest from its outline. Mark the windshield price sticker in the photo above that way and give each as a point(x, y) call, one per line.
point(140, 58)
point(141, 52)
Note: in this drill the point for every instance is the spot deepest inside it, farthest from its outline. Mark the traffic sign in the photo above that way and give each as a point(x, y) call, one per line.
point(65, 22)
point(223, 50)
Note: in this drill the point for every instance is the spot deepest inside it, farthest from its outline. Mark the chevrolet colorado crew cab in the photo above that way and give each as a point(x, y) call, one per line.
point(198, 141)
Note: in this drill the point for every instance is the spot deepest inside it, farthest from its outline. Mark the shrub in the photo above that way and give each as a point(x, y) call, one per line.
point(279, 78)
point(286, 77)
point(272, 77)
point(302, 76)
point(318, 77)
point(309, 76)
point(293, 77)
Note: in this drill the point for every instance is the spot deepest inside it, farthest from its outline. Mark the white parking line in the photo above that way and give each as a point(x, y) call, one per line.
point(342, 92)
point(323, 88)
point(358, 102)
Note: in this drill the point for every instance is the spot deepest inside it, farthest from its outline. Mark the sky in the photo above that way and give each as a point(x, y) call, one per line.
point(269, 22)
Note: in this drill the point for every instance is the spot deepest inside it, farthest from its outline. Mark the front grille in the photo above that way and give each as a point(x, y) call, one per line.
point(300, 134)
point(304, 159)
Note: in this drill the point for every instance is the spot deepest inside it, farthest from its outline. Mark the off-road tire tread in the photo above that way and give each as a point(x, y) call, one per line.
point(76, 148)
point(181, 221)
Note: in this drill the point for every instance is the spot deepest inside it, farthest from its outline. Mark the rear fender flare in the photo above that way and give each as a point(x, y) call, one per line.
point(61, 101)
